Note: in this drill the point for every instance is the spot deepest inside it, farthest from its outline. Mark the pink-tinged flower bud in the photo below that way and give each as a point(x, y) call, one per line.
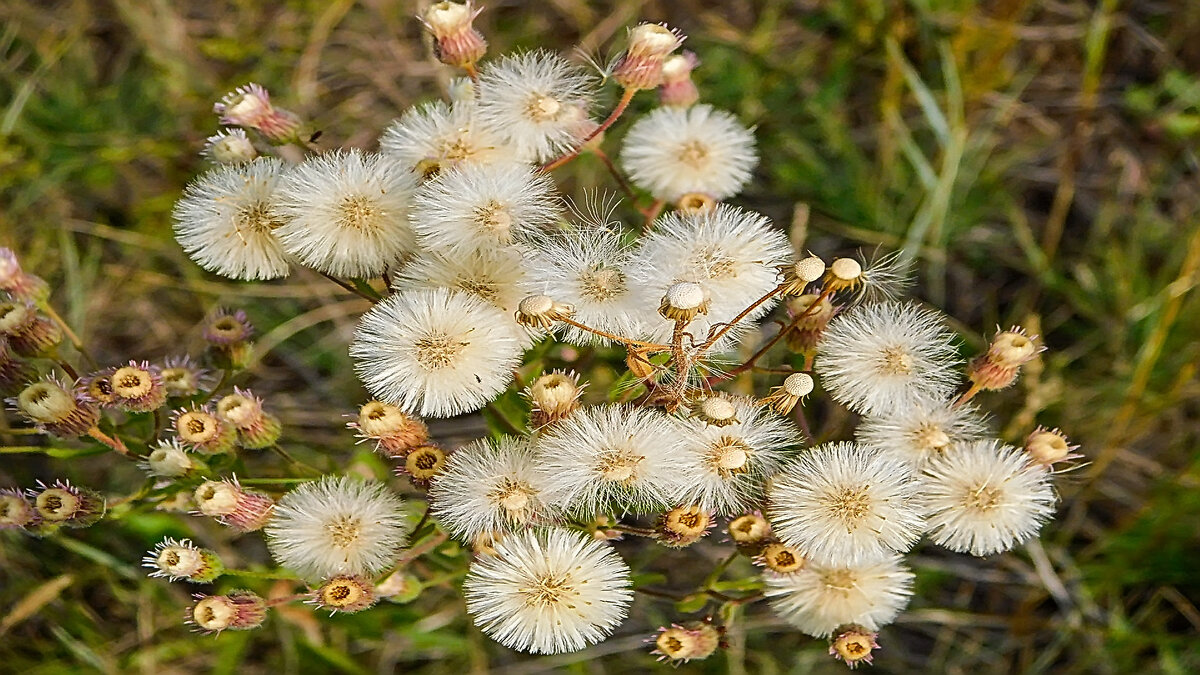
point(138, 387)
point(230, 505)
point(1048, 446)
point(250, 107)
point(641, 66)
point(181, 560)
point(28, 333)
point(56, 408)
point(999, 366)
point(455, 40)
point(66, 504)
point(749, 531)
point(98, 386)
point(256, 428)
point(683, 526)
point(17, 283)
point(15, 510)
point(228, 334)
point(780, 558)
point(168, 460)
point(229, 146)
point(347, 593)
point(236, 610)
point(394, 432)
point(399, 587)
point(203, 431)
point(681, 643)
point(677, 88)
point(853, 644)
point(182, 378)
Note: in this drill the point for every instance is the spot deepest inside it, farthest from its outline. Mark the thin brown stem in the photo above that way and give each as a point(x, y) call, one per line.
point(968, 394)
point(735, 320)
point(420, 549)
point(347, 286)
point(652, 346)
point(772, 342)
point(678, 356)
point(626, 97)
point(616, 174)
point(111, 441)
point(48, 310)
point(652, 212)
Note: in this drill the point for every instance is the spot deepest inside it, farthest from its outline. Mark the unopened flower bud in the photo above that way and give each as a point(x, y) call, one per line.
point(138, 387)
point(256, 428)
point(15, 509)
point(182, 378)
point(28, 333)
point(230, 505)
point(750, 530)
point(394, 432)
point(681, 643)
point(540, 311)
point(716, 410)
point(683, 526)
point(785, 397)
point(181, 560)
point(66, 504)
point(204, 432)
point(168, 460)
point(347, 593)
point(683, 301)
point(1047, 446)
point(999, 366)
point(236, 610)
point(250, 107)
point(853, 643)
point(98, 386)
point(423, 463)
point(695, 203)
point(56, 409)
point(554, 395)
point(455, 40)
point(399, 587)
point(229, 146)
point(17, 283)
point(677, 88)
point(780, 558)
point(641, 66)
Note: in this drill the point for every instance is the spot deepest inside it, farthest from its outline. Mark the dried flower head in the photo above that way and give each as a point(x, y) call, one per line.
point(348, 593)
point(229, 146)
point(168, 460)
point(203, 431)
point(783, 399)
point(62, 503)
point(236, 610)
point(554, 396)
point(455, 40)
point(423, 464)
point(1049, 446)
point(182, 378)
point(1007, 352)
point(683, 526)
point(641, 65)
point(541, 311)
point(138, 387)
point(28, 333)
point(256, 428)
point(683, 301)
point(394, 432)
point(55, 408)
point(780, 558)
point(20, 285)
point(852, 644)
point(681, 643)
point(233, 506)
point(749, 530)
point(15, 510)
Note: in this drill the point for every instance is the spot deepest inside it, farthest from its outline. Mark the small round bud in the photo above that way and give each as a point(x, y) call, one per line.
point(168, 460)
point(677, 89)
point(682, 643)
point(55, 409)
point(853, 644)
point(28, 333)
point(229, 146)
point(683, 526)
point(182, 378)
point(250, 107)
point(846, 270)
point(455, 40)
point(394, 432)
point(98, 386)
point(204, 432)
point(641, 66)
point(999, 366)
point(347, 593)
point(683, 301)
point(780, 558)
point(785, 397)
point(181, 560)
point(749, 530)
point(256, 428)
point(236, 610)
point(1047, 446)
point(554, 395)
point(399, 587)
point(423, 463)
point(695, 203)
point(228, 334)
point(798, 276)
point(15, 510)
point(540, 311)
point(66, 504)
point(717, 411)
point(138, 387)
point(232, 506)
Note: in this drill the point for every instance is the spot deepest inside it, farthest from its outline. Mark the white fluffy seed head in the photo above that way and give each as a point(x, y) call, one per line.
point(489, 487)
point(818, 598)
point(613, 457)
point(532, 101)
point(347, 213)
point(436, 353)
point(983, 497)
point(337, 525)
point(844, 505)
point(548, 591)
point(672, 152)
point(922, 431)
point(473, 207)
point(228, 220)
point(438, 136)
point(734, 461)
point(879, 358)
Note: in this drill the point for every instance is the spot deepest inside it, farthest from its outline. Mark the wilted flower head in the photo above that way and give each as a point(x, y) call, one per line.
point(1007, 352)
point(853, 644)
point(62, 503)
point(256, 428)
point(641, 65)
point(819, 599)
point(27, 332)
point(181, 377)
point(394, 432)
point(16, 282)
point(202, 430)
point(455, 40)
point(1048, 446)
point(15, 509)
point(233, 506)
point(548, 591)
point(56, 408)
point(236, 610)
point(138, 387)
point(680, 643)
point(347, 593)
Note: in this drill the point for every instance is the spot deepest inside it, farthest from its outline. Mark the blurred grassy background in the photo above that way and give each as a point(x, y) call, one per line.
point(1039, 157)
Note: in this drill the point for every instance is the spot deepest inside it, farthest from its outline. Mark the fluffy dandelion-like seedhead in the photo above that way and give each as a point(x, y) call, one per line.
point(845, 505)
point(736, 459)
point(438, 136)
point(983, 497)
point(436, 353)
point(733, 254)
point(877, 359)
point(923, 430)
point(228, 220)
point(548, 592)
point(613, 457)
point(473, 207)
point(347, 213)
point(336, 525)
point(818, 598)
point(672, 152)
point(533, 101)
point(591, 269)
point(488, 487)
